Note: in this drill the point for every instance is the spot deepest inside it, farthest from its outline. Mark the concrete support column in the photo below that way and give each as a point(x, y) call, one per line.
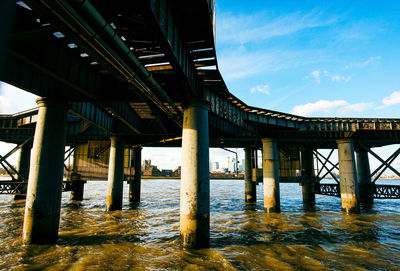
point(23, 164)
point(364, 176)
point(134, 185)
point(77, 187)
point(348, 176)
point(270, 175)
point(76, 182)
point(115, 175)
point(307, 164)
point(42, 208)
point(195, 179)
point(250, 186)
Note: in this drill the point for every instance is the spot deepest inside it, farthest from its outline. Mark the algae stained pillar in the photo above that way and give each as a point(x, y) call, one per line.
point(135, 184)
point(24, 160)
point(42, 208)
point(307, 164)
point(348, 176)
point(270, 175)
point(249, 186)
point(195, 179)
point(364, 176)
point(115, 175)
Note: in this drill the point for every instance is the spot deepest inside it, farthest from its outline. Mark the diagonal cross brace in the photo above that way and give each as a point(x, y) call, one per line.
point(387, 165)
point(12, 169)
point(326, 160)
point(3, 158)
point(329, 171)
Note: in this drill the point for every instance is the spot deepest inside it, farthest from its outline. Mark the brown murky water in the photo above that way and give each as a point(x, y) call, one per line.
point(242, 236)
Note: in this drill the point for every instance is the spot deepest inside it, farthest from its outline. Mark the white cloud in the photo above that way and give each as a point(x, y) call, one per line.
point(392, 99)
point(317, 74)
point(262, 89)
point(6, 106)
point(241, 63)
point(18, 99)
point(354, 108)
point(245, 28)
point(339, 78)
point(370, 61)
point(331, 108)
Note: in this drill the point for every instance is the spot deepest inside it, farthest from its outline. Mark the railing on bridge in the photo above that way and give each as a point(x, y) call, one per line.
point(331, 189)
point(386, 191)
point(11, 187)
point(379, 191)
point(14, 188)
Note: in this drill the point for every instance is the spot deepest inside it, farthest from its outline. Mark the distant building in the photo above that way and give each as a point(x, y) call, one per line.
point(167, 172)
point(241, 165)
point(214, 166)
point(149, 170)
point(232, 164)
point(177, 172)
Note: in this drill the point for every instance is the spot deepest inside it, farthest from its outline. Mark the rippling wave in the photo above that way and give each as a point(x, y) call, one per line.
point(243, 237)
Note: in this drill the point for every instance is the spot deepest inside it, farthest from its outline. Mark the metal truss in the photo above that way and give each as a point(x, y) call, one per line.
point(324, 161)
point(8, 167)
point(385, 164)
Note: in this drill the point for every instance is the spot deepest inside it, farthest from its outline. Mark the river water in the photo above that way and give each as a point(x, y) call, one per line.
point(243, 237)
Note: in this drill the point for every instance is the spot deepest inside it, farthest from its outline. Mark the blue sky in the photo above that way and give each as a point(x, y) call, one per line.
point(315, 58)
point(312, 58)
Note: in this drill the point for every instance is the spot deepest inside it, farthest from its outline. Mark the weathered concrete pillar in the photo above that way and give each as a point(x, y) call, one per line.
point(195, 179)
point(348, 176)
point(307, 164)
point(270, 175)
point(115, 175)
point(364, 176)
point(42, 208)
point(77, 187)
point(134, 185)
point(250, 186)
point(23, 164)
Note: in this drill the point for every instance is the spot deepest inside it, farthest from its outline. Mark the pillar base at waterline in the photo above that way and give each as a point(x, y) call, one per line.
point(271, 206)
point(195, 231)
point(348, 176)
point(43, 231)
point(271, 176)
point(364, 177)
point(308, 187)
point(135, 184)
point(308, 190)
point(77, 188)
point(350, 204)
point(249, 186)
point(115, 175)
